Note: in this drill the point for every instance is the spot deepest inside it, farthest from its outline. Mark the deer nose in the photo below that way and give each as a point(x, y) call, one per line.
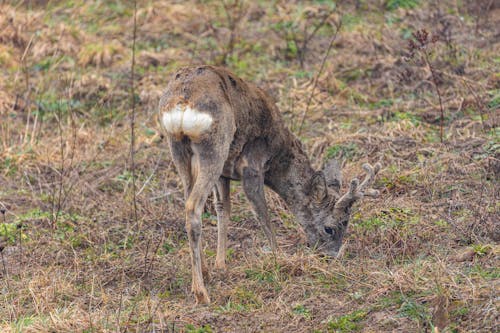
point(340, 252)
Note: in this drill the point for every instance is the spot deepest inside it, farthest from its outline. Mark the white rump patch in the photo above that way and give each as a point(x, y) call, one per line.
point(186, 120)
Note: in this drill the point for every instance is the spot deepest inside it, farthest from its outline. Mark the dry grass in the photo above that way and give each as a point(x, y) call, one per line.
point(423, 257)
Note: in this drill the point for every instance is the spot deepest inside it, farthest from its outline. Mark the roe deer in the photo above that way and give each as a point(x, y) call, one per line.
point(221, 128)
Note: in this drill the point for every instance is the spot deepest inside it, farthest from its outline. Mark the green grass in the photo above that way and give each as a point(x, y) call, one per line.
point(416, 311)
point(343, 151)
point(190, 328)
point(301, 310)
point(351, 322)
point(395, 4)
point(391, 218)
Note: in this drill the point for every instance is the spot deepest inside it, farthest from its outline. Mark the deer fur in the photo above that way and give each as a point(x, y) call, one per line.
point(221, 128)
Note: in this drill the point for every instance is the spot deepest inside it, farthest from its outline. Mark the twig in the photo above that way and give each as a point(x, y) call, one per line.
point(28, 88)
point(132, 161)
point(478, 100)
point(150, 268)
point(132, 115)
point(309, 37)
point(120, 306)
point(435, 81)
point(420, 44)
point(152, 173)
point(3, 211)
point(4, 268)
point(232, 22)
point(334, 37)
point(69, 188)
point(61, 171)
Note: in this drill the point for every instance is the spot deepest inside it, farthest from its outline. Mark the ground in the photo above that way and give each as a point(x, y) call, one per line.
point(412, 84)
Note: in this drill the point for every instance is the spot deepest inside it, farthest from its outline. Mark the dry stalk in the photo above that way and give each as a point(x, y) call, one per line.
point(69, 188)
point(420, 44)
point(6, 274)
point(332, 40)
point(56, 203)
point(132, 161)
point(478, 101)
point(308, 37)
point(3, 211)
point(132, 115)
point(436, 87)
point(234, 13)
point(25, 71)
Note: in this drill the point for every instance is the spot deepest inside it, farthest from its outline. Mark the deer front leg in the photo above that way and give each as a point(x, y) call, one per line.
point(223, 209)
point(253, 185)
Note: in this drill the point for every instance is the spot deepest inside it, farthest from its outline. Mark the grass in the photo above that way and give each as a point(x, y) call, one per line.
point(347, 323)
point(422, 255)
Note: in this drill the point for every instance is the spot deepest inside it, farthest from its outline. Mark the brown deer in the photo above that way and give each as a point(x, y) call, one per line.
point(221, 128)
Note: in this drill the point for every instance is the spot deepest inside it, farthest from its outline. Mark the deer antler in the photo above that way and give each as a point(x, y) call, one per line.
point(357, 191)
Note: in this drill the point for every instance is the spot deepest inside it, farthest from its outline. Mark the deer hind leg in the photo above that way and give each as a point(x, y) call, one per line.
point(253, 185)
point(182, 155)
point(207, 164)
point(185, 163)
point(223, 209)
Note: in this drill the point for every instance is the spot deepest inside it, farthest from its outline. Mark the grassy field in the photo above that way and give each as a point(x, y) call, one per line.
point(422, 257)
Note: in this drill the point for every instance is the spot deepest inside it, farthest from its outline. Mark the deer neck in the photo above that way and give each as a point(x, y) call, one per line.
point(290, 177)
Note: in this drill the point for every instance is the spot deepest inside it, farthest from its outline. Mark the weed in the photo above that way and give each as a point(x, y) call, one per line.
point(415, 311)
point(395, 4)
point(420, 44)
point(99, 54)
point(301, 310)
point(494, 103)
point(297, 32)
point(343, 151)
point(487, 273)
point(9, 166)
point(242, 299)
point(237, 218)
point(390, 218)
point(24, 322)
point(193, 329)
point(481, 250)
point(347, 323)
point(168, 247)
point(10, 232)
point(260, 276)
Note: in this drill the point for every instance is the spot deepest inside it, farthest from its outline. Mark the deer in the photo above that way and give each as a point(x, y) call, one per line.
point(220, 128)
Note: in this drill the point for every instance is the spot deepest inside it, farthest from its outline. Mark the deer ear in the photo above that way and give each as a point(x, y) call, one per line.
point(333, 175)
point(319, 189)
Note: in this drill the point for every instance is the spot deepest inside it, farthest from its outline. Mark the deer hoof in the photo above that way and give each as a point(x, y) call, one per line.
point(220, 265)
point(202, 297)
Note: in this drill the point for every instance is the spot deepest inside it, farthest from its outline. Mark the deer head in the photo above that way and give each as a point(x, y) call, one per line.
point(328, 211)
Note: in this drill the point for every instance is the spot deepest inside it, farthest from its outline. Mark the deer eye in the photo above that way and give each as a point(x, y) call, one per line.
point(329, 230)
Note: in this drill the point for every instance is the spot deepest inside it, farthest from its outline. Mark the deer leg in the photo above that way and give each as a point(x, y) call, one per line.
point(194, 210)
point(181, 155)
point(207, 163)
point(253, 185)
point(223, 209)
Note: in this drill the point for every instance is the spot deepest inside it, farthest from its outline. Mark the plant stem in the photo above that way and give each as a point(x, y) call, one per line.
point(334, 37)
point(132, 115)
point(434, 80)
